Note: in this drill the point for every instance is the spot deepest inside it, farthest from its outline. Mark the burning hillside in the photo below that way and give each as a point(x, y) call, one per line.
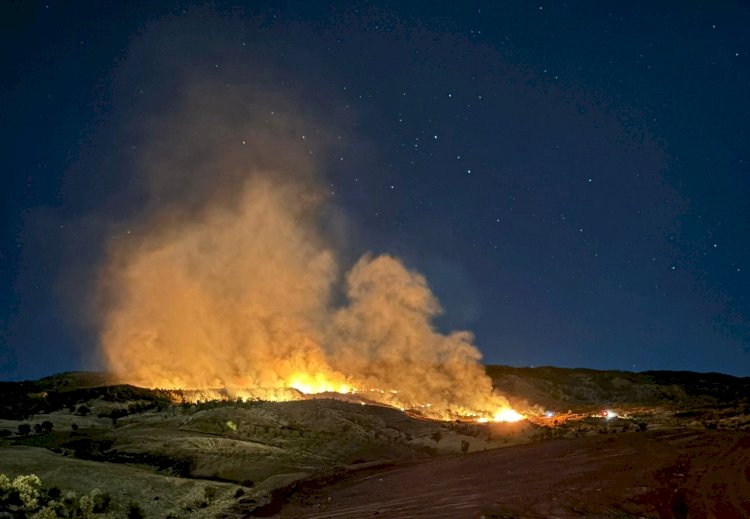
point(231, 278)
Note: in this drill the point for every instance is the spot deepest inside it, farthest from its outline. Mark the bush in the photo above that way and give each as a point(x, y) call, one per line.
point(82, 410)
point(24, 429)
point(86, 506)
point(45, 513)
point(28, 488)
point(47, 426)
point(54, 493)
point(135, 511)
point(102, 502)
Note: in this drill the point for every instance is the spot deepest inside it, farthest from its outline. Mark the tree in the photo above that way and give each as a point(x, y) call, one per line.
point(83, 410)
point(24, 429)
point(47, 426)
point(437, 436)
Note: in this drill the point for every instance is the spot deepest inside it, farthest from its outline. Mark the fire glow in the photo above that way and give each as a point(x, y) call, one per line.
point(304, 385)
point(317, 384)
point(231, 284)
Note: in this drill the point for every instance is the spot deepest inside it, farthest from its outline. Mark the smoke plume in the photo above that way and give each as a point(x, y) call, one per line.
point(224, 278)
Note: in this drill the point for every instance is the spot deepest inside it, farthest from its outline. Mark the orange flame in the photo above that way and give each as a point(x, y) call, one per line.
point(317, 383)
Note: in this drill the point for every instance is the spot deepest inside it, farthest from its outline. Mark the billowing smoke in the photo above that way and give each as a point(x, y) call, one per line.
point(385, 338)
point(225, 276)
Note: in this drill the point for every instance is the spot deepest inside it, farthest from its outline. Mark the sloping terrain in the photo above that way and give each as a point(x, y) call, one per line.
point(553, 387)
point(664, 474)
point(79, 431)
point(122, 432)
point(158, 495)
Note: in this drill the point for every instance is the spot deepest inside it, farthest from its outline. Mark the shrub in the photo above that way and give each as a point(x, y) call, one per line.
point(102, 502)
point(135, 511)
point(28, 488)
point(45, 513)
point(47, 426)
point(54, 493)
point(24, 429)
point(86, 506)
point(82, 410)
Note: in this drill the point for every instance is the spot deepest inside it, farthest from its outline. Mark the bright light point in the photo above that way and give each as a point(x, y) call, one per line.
point(611, 414)
point(549, 414)
point(507, 415)
point(483, 420)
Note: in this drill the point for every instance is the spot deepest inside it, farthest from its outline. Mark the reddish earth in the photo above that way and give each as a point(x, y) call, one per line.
point(675, 473)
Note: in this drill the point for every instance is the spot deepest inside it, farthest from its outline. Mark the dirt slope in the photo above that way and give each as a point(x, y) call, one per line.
point(676, 473)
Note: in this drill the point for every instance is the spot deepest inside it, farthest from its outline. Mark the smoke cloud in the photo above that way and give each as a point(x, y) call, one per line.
point(225, 277)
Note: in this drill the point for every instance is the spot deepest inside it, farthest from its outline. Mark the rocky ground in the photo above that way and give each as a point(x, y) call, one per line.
point(326, 457)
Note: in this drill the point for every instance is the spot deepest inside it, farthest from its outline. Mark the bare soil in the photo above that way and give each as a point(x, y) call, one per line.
point(667, 473)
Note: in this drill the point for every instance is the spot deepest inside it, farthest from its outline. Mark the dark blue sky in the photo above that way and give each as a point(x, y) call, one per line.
point(573, 180)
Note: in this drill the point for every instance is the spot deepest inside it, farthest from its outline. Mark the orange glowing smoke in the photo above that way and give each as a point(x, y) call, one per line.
point(226, 280)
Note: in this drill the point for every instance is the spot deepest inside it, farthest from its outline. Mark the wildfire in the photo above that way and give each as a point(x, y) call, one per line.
point(505, 414)
point(311, 385)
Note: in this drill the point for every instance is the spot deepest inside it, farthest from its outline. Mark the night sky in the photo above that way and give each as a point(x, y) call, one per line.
point(572, 179)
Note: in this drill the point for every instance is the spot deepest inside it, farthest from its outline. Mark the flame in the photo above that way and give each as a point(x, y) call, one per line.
point(507, 415)
point(317, 383)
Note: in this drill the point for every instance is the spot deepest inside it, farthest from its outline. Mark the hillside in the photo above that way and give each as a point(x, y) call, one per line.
point(232, 458)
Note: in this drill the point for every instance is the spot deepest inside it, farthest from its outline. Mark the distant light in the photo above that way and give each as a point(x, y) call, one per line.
point(549, 414)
